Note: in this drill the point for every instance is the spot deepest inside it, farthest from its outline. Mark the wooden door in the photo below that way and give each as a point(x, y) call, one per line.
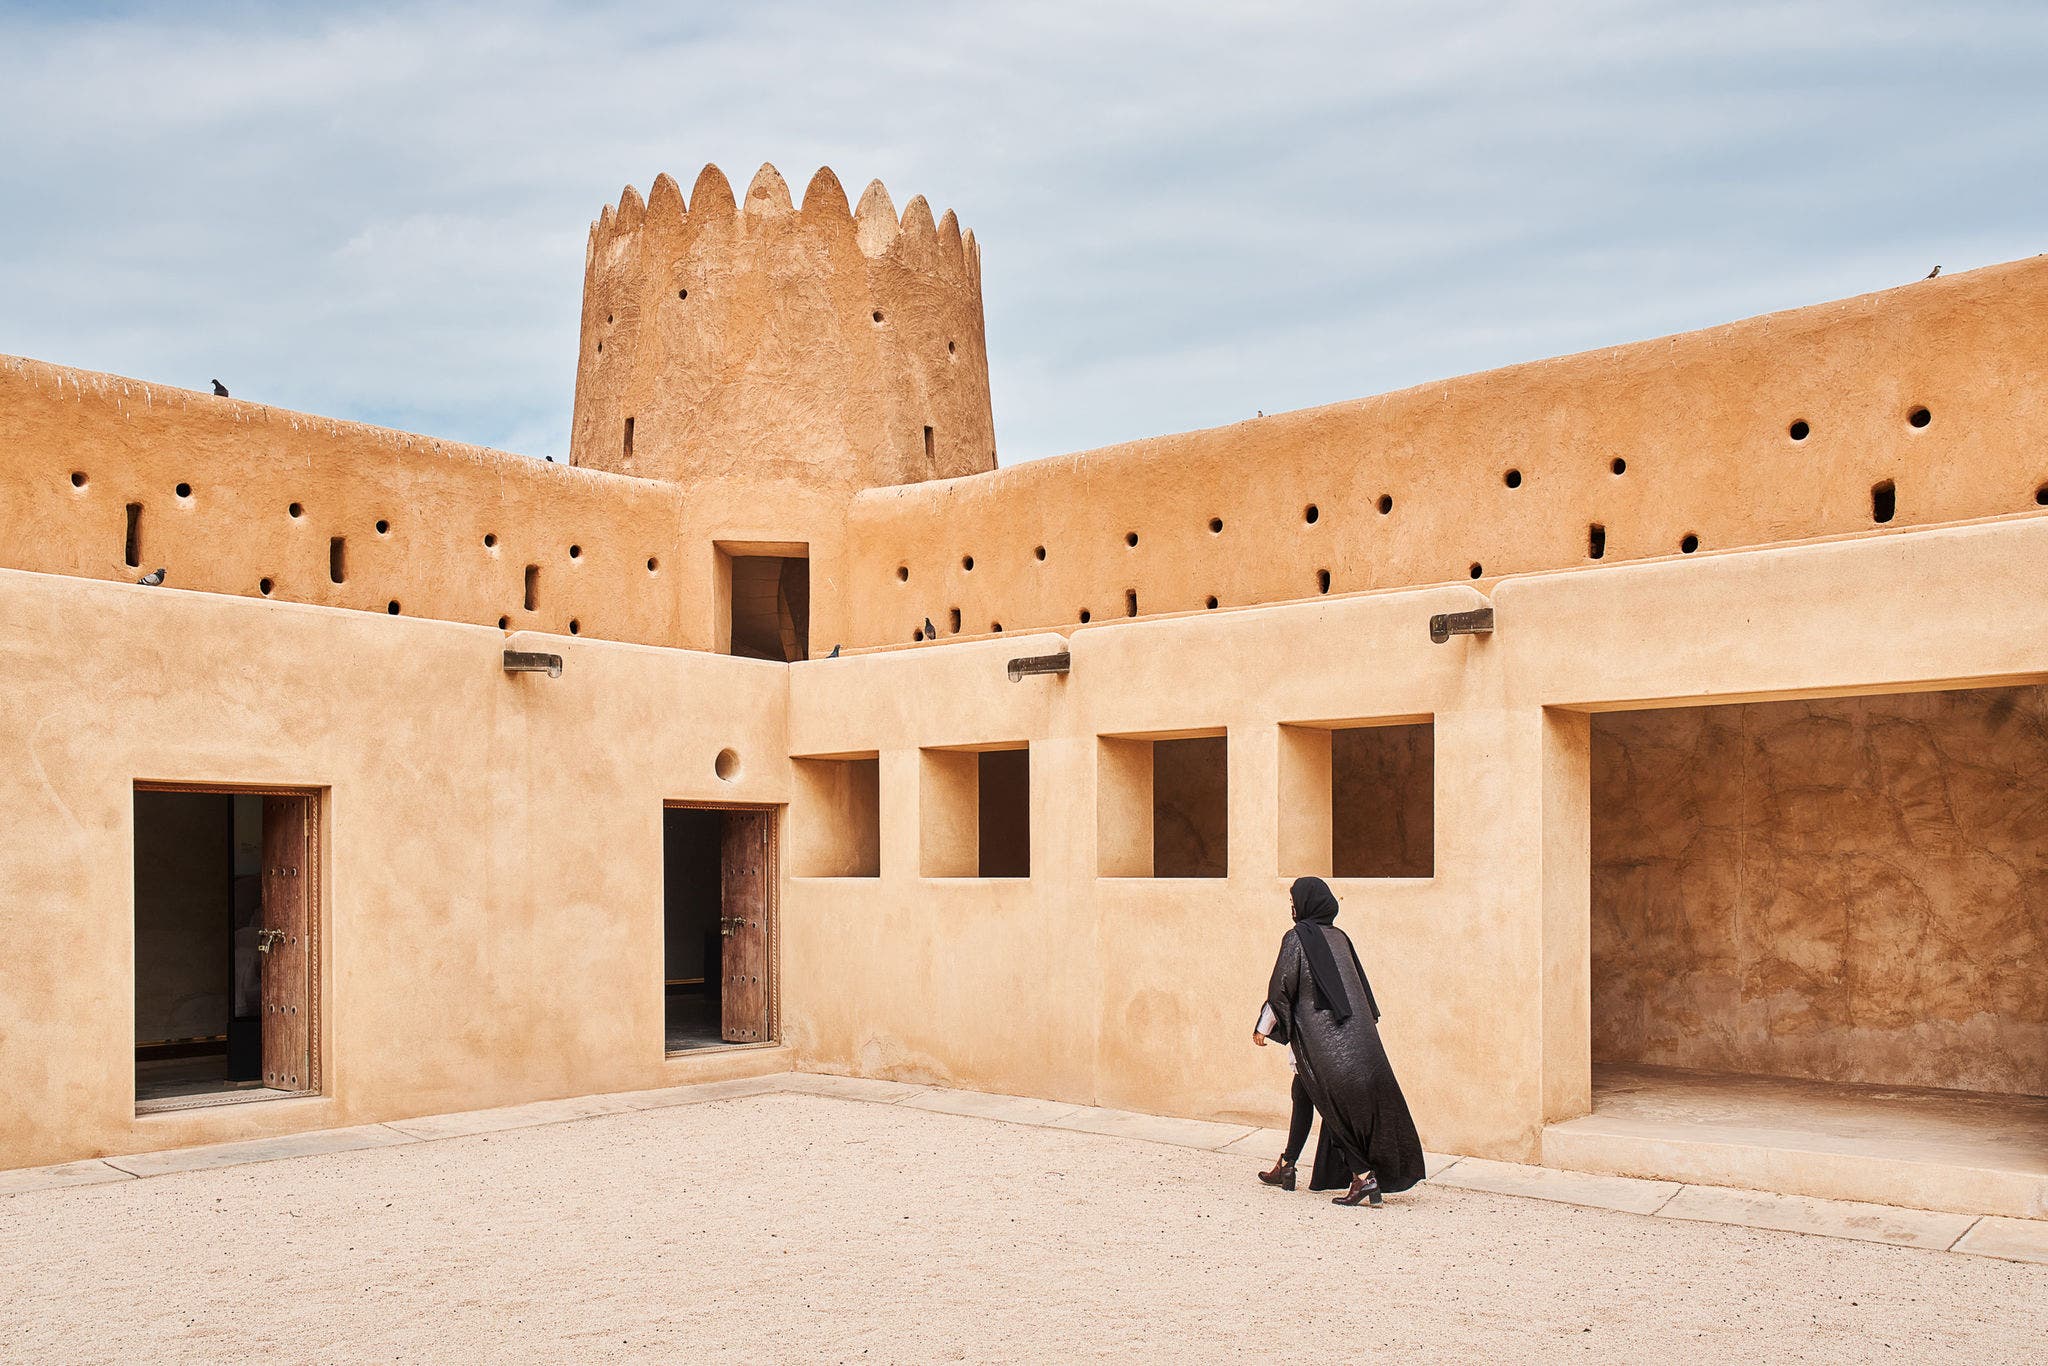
point(285, 945)
point(743, 922)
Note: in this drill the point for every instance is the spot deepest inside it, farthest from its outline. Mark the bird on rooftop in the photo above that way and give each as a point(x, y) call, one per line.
point(1932, 273)
point(219, 390)
point(153, 578)
point(931, 632)
point(834, 654)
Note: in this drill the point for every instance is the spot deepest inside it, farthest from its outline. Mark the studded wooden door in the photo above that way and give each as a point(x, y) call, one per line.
point(285, 944)
point(743, 925)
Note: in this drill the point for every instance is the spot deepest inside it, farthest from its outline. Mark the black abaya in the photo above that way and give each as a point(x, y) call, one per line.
point(1344, 1067)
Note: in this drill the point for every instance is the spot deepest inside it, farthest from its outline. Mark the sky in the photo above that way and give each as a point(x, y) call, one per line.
point(1188, 213)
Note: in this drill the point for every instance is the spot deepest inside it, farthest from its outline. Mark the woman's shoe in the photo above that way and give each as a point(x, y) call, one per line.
point(1282, 1175)
point(1364, 1189)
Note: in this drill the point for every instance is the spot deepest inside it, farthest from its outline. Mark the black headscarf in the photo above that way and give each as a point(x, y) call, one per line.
point(1315, 908)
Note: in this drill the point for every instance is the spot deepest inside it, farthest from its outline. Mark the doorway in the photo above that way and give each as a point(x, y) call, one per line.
point(718, 881)
point(225, 946)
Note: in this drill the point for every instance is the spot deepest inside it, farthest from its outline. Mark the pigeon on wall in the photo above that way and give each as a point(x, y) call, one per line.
point(153, 578)
point(219, 390)
point(1932, 273)
point(834, 654)
point(931, 632)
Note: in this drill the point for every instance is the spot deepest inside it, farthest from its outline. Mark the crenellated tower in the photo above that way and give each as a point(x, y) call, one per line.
point(819, 348)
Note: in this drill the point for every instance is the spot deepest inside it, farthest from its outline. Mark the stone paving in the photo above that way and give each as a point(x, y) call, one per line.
point(2020, 1240)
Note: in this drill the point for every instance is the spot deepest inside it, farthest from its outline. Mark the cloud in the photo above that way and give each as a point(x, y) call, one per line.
point(1186, 214)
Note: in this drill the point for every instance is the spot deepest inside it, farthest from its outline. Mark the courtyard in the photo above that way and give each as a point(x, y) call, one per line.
point(805, 1218)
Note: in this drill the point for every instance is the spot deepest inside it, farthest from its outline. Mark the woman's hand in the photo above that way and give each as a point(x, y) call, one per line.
point(1258, 1038)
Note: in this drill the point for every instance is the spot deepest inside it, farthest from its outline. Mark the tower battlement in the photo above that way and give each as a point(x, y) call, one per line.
point(826, 346)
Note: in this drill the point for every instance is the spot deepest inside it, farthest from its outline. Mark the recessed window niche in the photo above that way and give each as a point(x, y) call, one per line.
point(1358, 799)
point(1163, 805)
point(836, 817)
point(974, 812)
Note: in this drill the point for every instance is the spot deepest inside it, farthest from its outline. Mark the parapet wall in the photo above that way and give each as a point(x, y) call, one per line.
point(110, 478)
point(1919, 405)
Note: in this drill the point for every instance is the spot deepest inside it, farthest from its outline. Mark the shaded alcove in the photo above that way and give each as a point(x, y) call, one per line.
point(1163, 805)
point(975, 812)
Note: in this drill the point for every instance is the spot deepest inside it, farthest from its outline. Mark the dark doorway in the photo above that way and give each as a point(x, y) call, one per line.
point(717, 892)
point(771, 607)
point(224, 931)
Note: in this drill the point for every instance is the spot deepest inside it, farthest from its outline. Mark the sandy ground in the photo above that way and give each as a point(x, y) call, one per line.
point(793, 1227)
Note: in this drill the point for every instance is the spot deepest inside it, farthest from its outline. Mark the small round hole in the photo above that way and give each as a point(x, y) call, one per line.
point(1513, 479)
point(726, 765)
point(264, 586)
point(295, 510)
point(1210, 602)
point(1386, 503)
point(1920, 417)
point(878, 315)
point(1215, 526)
point(918, 634)
point(903, 573)
point(682, 294)
point(1619, 466)
point(1084, 616)
point(575, 552)
point(383, 527)
point(2041, 495)
point(490, 539)
point(1131, 538)
point(392, 607)
point(575, 627)
point(1311, 514)
point(504, 623)
point(1799, 431)
point(1039, 552)
point(1322, 581)
point(996, 626)
point(1689, 544)
point(1477, 569)
point(184, 490)
point(653, 565)
point(967, 563)
point(78, 479)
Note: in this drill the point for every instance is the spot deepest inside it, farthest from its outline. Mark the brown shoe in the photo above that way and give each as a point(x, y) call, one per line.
point(1282, 1175)
point(1364, 1190)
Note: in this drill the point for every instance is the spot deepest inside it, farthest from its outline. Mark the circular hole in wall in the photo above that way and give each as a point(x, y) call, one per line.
point(1386, 503)
point(995, 626)
point(1215, 526)
point(682, 294)
point(1131, 538)
point(575, 627)
point(264, 586)
point(903, 573)
point(967, 563)
point(1919, 417)
point(878, 315)
point(1084, 616)
point(504, 623)
point(392, 607)
point(184, 490)
point(653, 565)
point(1210, 602)
point(1799, 431)
point(1322, 581)
point(490, 540)
point(1477, 569)
point(1311, 514)
point(2041, 495)
point(1039, 552)
point(1513, 479)
point(575, 552)
point(1619, 466)
point(383, 527)
point(295, 510)
point(917, 634)
point(726, 765)
point(78, 479)
point(1689, 544)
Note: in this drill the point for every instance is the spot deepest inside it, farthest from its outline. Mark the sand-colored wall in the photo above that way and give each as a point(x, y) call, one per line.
point(80, 447)
point(491, 846)
point(1854, 889)
point(1701, 421)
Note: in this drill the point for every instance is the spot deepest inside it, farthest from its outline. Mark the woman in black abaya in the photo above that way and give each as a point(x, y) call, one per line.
point(1320, 1004)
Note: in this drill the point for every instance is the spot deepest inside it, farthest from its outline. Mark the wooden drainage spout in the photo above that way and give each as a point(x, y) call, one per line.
point(1477, 622)
point(1041, 664)
point(530, 662)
